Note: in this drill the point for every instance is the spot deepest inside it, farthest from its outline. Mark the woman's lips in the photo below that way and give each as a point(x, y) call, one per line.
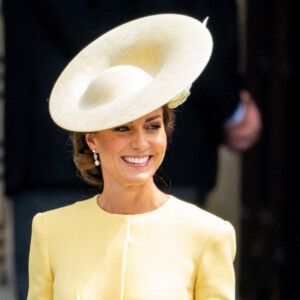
point(137, 161)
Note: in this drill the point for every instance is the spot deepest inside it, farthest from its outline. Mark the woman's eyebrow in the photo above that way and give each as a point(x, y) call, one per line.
point(153, 118)
point(149, 119)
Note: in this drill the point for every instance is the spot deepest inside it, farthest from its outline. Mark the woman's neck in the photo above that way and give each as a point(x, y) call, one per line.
point(130, 200)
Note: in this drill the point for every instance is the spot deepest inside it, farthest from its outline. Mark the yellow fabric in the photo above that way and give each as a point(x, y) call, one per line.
point(178, 251)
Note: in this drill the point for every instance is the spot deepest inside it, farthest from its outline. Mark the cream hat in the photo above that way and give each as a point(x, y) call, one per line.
point(130, 71)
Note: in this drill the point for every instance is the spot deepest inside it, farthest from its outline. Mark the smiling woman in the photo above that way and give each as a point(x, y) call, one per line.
point(130, 155)
point(83, 154)
point(130, 241)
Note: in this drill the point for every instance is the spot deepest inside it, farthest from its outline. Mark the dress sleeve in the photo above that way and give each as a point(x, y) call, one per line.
point(40, 274)
point(216, 279)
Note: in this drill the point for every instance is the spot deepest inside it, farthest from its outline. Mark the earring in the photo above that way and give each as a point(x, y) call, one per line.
point(97, 162)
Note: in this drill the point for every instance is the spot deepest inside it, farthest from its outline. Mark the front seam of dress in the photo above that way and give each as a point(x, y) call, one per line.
point(125, 256)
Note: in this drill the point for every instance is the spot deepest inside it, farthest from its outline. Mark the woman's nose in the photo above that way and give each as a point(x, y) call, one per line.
point(139, 140)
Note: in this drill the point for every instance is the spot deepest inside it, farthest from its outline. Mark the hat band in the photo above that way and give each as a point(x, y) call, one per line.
point(180, 98)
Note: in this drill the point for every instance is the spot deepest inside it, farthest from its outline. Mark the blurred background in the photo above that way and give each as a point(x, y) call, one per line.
point(261, 185)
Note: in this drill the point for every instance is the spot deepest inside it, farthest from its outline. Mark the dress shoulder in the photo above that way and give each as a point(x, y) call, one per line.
point(67, 215)
point(198, 217)
point(212, 242)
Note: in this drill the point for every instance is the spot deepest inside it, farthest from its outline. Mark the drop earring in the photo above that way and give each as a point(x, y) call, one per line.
point(97, 162)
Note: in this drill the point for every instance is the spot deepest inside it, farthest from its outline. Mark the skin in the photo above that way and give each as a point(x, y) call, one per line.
point(246, 134)
point(130, 155)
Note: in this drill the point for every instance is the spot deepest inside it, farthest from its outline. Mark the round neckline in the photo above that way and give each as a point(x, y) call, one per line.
point(150, 213)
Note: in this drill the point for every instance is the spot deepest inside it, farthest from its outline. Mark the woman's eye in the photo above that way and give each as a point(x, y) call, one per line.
point(121, 128)
point(154, 126)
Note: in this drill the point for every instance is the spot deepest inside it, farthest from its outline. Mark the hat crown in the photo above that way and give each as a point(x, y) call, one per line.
point(112, 84)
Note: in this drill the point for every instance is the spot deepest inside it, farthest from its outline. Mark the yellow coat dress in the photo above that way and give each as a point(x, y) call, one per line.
point(179, 251)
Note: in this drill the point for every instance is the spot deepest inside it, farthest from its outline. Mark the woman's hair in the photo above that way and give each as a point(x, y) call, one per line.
point(83, 156)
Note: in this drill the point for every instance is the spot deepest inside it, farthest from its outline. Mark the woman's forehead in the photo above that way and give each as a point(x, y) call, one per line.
point(158, 113)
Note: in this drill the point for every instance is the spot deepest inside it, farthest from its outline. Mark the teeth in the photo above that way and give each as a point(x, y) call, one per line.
point(135, 160)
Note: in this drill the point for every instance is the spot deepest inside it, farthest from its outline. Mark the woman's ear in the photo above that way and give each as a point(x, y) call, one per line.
point(90, 140)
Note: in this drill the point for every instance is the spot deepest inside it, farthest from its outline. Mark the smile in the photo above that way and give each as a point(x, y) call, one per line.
point(136, 160)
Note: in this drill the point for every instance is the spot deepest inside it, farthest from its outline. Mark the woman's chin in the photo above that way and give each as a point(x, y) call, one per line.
point(137, 180)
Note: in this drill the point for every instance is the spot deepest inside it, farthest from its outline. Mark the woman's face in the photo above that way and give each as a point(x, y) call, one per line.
point(130, 154)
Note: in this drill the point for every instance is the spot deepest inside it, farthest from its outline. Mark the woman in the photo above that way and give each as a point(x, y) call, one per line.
point(132, 241)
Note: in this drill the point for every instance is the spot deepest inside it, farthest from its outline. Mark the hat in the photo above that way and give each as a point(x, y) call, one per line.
point(130, 71)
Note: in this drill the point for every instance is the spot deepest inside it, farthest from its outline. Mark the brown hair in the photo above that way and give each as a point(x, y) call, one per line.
point(83, 155)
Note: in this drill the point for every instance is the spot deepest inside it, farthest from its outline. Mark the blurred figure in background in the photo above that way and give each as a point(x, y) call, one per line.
point(41, 37)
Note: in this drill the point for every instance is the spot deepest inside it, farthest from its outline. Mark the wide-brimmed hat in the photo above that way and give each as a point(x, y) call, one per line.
point(131, 71)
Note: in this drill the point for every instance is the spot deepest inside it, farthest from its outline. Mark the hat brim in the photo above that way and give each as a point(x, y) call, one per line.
point(173, 49)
